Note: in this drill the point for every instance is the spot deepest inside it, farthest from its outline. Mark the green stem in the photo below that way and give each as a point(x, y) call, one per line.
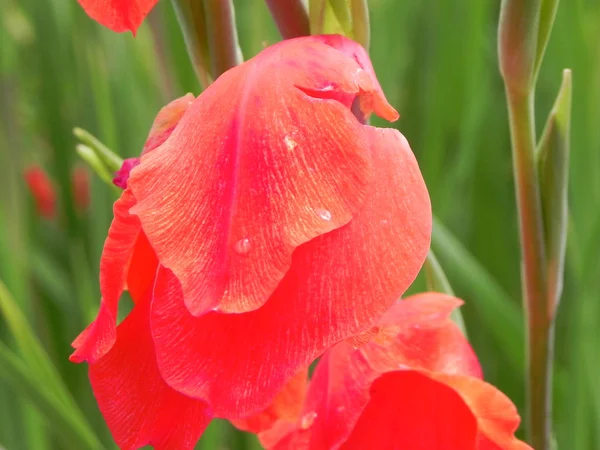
point(361, 30)
point(316, 15)
point(290, 17)
point(222, 35)
point(539, 324)
point(192, 20)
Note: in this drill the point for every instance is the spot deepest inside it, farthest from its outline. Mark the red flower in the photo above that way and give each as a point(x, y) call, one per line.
point(268, 226)
point(412, 382)
point(42, 190)
point(118, 15)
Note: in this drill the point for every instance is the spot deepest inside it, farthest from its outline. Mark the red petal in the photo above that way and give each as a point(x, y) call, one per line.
point(286, 406)
point(337, 285)
point(120, 244)
point(142, 269)
point(118, 15)
point(338, 393)
point(267, 158)
point(408, 410)
point(138, 406)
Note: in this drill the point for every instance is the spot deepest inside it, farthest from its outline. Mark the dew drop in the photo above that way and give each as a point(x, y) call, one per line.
point(290, 143)
point(242, 246)
point(307, 420)
point(357, 72)
point(324, 214)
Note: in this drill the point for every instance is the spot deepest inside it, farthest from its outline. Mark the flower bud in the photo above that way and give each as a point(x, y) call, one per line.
point(553, 163)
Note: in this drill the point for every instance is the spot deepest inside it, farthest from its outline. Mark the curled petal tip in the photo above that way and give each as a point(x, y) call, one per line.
point(75, 358)
point(371, 96)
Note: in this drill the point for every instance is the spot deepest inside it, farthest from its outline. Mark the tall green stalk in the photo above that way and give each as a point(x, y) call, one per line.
point(524, 31)
point(290, 16)
point(192, 20)
point(225, 50)
point(538, 323)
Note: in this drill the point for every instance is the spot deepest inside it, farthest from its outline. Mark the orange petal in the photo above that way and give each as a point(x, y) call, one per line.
point(417, 333)
point(165, 122)
point(267, 158)
point(372, 98)
point(337, 286)
point(497, 417)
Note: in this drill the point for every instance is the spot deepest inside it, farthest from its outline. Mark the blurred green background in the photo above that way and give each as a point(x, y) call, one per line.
point(437, 63)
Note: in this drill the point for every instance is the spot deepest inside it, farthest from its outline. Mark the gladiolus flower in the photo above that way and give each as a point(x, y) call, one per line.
point(118, 15)
point(268, 225)
point(42, 190)
point(412, 382)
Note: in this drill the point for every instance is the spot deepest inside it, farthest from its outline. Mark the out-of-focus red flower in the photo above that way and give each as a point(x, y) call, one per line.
point(42, 190)
point(269, 225)
point(412, 382)
point(80, 180)
point(118, 15)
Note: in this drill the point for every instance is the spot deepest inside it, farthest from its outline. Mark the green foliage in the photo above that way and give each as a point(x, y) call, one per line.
point(437, 63)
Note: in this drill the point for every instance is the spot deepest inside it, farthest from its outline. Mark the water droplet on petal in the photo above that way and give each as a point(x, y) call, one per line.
point(242, 246)
point(324, 214)
point(290, 143)
point(307, 420)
